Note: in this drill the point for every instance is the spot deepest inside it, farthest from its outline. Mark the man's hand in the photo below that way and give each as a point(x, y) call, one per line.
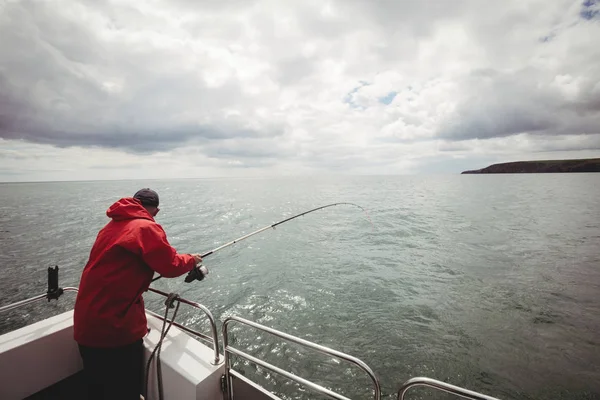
point(197, 258)
point(197, 273)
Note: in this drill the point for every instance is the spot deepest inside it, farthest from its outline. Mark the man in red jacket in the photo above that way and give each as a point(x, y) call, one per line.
point(109, 317)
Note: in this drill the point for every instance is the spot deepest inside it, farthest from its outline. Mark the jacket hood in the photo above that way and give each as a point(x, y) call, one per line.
point(127, 208)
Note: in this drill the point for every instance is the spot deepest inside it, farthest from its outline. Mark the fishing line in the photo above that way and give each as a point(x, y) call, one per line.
point(273, 227)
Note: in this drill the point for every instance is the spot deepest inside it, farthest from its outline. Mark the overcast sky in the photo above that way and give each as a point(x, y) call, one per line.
point(102, 89)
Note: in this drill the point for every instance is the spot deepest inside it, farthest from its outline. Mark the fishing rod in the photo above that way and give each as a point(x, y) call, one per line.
point(191, 275)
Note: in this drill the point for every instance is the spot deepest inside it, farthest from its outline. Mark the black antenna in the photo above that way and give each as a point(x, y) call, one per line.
point(54, 292)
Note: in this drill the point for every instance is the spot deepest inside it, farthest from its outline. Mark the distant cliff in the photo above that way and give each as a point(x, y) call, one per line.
point(537, 167)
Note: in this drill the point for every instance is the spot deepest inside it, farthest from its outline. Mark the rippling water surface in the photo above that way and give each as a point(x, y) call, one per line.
point(487, 282)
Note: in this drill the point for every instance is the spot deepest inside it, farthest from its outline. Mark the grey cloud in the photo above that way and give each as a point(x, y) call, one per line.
point(14, 155)
point(497, 104)
point(526, 143)
point(341, 157)
point(416, 17)
point(590, 142)
point(251, 152)
point(149, 140)
point(242, 149)
point(11, 172)
point(212, 5)
point(293, 70)
point(450, 147)
point(252, 163)
point(138, 125)
point(52, 76)
point(109, 166)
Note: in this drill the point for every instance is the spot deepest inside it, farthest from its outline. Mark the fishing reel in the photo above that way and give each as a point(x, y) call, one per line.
point(196, 274)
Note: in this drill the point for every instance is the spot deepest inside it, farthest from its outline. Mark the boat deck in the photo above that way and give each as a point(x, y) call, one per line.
point(71, 388)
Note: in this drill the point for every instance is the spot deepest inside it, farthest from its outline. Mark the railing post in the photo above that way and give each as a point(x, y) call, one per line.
point(211, 319)
point(228, 392)
point(442, 386)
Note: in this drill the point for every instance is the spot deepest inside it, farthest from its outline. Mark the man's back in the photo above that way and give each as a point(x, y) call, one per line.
point(109, 319)
point(109, 310)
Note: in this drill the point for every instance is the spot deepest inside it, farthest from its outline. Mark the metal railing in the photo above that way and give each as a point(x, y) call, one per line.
point(443, 386)
point(54, 292)
point(33, 300)
point(229, 372)
point(213, 327)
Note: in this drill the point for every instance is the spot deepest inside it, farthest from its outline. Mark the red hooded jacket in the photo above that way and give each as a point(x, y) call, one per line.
point(109, 309)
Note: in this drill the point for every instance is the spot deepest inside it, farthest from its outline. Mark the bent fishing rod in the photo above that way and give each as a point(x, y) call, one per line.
point(272, 226)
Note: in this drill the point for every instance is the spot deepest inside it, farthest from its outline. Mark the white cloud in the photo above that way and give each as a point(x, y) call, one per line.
point(105, 88)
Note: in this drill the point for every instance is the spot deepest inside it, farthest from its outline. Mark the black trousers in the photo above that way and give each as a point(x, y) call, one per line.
point(114, 373)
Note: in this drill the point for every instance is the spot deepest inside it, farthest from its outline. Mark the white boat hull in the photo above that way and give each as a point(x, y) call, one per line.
point(43, 354)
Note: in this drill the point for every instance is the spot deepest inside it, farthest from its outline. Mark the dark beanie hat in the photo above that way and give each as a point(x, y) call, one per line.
point(148, 197)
